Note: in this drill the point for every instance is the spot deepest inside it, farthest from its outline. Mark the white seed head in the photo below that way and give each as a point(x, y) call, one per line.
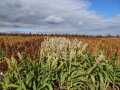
point(84, 47)
point(1, 73)
point(99, 58)
point(61, 47)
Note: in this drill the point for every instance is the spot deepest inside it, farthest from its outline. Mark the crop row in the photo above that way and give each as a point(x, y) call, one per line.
point(61, 64)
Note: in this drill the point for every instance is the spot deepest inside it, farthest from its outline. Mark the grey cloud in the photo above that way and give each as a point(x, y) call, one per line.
point(54, 16)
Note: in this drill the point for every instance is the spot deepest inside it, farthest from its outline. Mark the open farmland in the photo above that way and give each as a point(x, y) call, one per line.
point(10, 45)
point(63, 63)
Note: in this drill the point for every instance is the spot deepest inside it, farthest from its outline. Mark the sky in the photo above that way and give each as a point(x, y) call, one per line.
point(107, 8)
point(94, 17)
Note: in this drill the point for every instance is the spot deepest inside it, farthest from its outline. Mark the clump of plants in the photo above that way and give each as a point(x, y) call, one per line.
point(62, 64)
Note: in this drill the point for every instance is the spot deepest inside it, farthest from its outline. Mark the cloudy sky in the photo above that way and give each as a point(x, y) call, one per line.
point(60, 16)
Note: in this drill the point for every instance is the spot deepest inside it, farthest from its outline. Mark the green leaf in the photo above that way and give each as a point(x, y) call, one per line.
point(91, 69)
point(46, 85)
point(22, 85)
point(29, 78)
point(34, 86)
point(102, 83)
point(78, 73)
point(78, 79)
point(12, 85)
point(93, 79)
point(49, 86)
point(63, 77)
point(92, 87)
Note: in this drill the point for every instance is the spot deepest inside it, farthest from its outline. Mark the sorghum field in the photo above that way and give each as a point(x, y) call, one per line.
point(56, 62)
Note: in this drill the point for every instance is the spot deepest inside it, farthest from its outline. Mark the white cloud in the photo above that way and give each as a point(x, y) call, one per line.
point(55, 15)
point(80, 23)
point(53, 19)
point(2, 30)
